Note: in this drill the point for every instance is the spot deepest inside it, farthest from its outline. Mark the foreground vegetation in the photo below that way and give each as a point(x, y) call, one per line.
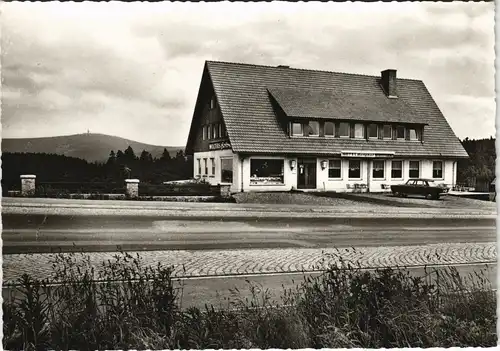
point(344, 307)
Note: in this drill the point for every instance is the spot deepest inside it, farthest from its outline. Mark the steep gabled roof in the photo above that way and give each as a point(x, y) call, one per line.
point(243, 93)
point(371, 105)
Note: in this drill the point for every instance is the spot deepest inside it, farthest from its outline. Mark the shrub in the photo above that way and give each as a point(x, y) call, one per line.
point(88, 310)
point(386, 308)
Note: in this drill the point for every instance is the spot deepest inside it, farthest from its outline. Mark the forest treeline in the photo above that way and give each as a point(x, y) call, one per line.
point(481, 162)
point(119, 166)
point(126, 164)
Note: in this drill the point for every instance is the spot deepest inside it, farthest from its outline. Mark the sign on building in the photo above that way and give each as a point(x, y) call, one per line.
point(367, 154)
point(221, 145)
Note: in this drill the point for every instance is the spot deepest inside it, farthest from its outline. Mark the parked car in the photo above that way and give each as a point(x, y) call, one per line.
point(419, 186)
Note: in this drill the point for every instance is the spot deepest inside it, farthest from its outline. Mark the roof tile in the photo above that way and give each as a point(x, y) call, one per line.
point(243, 94)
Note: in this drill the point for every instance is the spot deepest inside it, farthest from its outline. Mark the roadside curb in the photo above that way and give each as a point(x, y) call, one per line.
point(241, 212)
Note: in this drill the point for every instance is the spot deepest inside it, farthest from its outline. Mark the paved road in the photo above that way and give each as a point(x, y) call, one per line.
point(189, 263)
point(208, 244)
point(35, 233)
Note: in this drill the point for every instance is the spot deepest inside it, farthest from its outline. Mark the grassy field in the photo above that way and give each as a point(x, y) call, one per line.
point(344, 307)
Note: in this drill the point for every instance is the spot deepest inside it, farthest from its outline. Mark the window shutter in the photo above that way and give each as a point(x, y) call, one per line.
point(337, 130)
point(351, 130)
point(422, 134)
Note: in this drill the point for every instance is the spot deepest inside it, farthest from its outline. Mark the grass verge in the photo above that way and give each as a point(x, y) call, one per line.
point(344, 307)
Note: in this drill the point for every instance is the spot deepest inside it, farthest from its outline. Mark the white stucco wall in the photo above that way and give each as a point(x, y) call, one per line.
point(241, 171)
point(339, 185)
point(324, 183)
point(448, 172)
point(216, 154)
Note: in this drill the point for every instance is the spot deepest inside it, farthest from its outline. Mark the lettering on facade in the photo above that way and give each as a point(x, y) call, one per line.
point(366, 154)
point(221, 145)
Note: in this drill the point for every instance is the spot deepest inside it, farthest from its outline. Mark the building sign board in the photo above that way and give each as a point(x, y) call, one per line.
point(367, 154)
point(221, 145)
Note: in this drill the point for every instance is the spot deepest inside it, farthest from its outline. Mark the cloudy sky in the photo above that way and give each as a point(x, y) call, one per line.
point(133, 70)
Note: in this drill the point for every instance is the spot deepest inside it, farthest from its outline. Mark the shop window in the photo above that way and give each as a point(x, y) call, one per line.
point(354, 169)
point(359, 130)
point(312, 128)
point(226, 168)
point(266, 171)
point(199, 166)
point(414, 169)
point(334, 169)
point(297, 129)
point(373, 131)
point(437, 169)
point(400, 132)
point(212, 162)
point(378, 169)
point(344, 129)
point(329, 129)
point(387, 132)
point(397, 170)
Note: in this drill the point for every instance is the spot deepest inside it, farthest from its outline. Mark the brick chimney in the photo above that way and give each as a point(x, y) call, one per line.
point(389, 83)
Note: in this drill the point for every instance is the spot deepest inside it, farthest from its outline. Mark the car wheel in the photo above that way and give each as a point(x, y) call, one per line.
point(429, 196)
point(435, 196)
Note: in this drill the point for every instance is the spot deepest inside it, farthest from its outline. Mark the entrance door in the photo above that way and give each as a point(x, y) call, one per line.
point(306, 174)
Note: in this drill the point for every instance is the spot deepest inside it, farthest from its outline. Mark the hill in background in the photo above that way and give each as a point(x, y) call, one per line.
point(91, 147)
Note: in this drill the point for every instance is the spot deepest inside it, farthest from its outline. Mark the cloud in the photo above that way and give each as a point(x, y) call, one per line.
point(133, 70)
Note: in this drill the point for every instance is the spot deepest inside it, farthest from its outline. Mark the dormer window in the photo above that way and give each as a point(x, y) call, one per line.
point(344, 129)
point(414, 135)
point(329, 129)
point(387, 131)
point(400, 132)
point(313, 128)
point(359, 130)
point(373, 131)
point(297, 129)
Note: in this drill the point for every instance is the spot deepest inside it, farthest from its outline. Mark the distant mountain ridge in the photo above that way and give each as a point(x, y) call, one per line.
point(89, 146)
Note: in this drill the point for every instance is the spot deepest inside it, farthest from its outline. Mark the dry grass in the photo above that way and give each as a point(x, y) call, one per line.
point(344, 307)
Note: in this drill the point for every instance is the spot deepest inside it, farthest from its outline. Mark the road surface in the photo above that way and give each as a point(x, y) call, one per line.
point(213, 240)
point(32, 233)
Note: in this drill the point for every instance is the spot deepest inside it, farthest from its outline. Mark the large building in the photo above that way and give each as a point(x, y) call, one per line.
point(263, 128)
